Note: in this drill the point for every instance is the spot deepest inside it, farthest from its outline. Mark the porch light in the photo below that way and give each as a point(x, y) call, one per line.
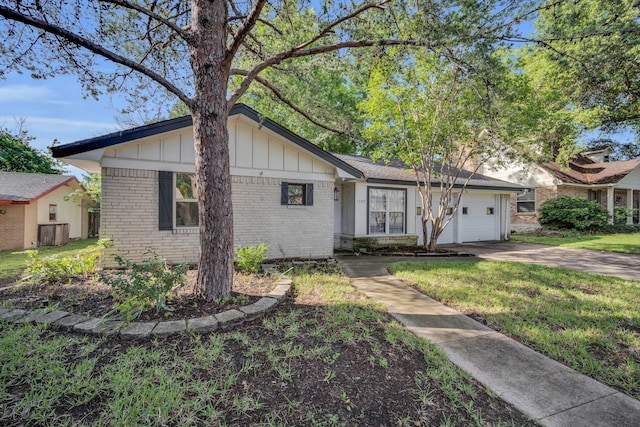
point(336, 194)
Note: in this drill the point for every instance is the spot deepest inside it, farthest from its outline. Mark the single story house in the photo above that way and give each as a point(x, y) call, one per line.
point(590, 174)
point(296, 198)
point(34, 212)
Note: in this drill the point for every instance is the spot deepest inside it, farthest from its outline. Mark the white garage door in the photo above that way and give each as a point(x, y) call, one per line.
point(479, 220)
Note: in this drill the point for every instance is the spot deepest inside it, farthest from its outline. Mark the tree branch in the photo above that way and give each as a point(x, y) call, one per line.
point(338, 21)
point(245, 28)
point(278, 94)
point(127, 4)
point(293, 53)
point(80, 41)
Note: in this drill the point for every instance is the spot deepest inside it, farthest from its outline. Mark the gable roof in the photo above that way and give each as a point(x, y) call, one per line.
point(580, 171)
point(121, 137)
point(24, 188)
point(396, 172)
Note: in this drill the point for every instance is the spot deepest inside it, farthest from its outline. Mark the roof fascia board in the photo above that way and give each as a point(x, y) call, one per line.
point(120, 137)
point(186, 121)
point(455, 186)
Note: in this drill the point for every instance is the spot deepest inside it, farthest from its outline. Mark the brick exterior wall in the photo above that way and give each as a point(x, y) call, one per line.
point(129, 216)
point(289, 231)
point(575, 192)
point(12, 227)
point(528, 221)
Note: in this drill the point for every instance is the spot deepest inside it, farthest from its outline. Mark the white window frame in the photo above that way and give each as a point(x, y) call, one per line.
point(176, 201)
point(387, 211)
point(530, 194)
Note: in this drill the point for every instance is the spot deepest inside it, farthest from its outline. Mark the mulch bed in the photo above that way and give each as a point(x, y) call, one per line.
point(91, 297)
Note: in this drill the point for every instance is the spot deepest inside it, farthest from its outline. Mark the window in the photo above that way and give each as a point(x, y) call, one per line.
point(387, 211)
point(53, 212)
point(465, 211)
point(489, 211)
point(526, 203)
point(296, 194)
point(186, 207)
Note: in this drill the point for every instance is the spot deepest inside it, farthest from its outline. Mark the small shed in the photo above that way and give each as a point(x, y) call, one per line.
point(34, 212)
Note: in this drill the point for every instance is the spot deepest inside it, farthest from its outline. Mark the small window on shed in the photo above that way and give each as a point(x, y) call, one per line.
point(53, 212)
point(489, 211)
point(465, 210)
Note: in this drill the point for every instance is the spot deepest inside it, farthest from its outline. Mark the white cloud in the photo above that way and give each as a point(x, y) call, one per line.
point(24, 93)
point(46, 129)
point(52, 124)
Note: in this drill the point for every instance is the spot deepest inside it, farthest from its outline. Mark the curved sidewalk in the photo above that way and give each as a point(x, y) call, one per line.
point(545, 390)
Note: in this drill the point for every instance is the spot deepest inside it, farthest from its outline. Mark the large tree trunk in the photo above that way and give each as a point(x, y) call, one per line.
point(210, 112)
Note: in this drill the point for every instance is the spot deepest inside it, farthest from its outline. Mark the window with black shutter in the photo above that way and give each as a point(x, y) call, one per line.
point(296, 194)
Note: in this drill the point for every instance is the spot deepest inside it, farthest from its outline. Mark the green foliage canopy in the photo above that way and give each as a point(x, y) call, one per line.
point(92, 193)
point(591, 54)
point(16, 155)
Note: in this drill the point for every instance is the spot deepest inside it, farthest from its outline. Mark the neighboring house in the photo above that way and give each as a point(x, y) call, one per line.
point(33, 211)
point(286, 192)
point(590, 175)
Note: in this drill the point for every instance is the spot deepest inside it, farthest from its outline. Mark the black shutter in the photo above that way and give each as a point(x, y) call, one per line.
point(284, 193)
point(165, 200)
point(309, 195)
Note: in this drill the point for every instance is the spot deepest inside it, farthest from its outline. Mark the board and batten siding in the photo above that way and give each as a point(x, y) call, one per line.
point(253, 151)
point(260, 161)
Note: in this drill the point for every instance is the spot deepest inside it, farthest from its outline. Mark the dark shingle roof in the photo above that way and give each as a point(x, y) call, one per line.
point(591, 173)
point(397, 172)
point(16, 187)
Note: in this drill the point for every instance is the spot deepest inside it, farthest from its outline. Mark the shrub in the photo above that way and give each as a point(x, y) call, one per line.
point(249, 258)
point(60, 269)
point(572, 212)
point(620, 214)
point(144, 285)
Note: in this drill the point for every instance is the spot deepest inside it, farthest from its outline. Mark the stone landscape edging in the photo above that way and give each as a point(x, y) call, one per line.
point(144, 330)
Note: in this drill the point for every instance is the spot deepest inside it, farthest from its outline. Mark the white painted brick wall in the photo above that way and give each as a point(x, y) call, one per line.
point(129, 216)
point(289, 231)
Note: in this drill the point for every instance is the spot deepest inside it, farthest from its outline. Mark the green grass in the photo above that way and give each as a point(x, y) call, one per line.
point(628, 243)
point(294, 367)
point(588, 322)
point(12, 261)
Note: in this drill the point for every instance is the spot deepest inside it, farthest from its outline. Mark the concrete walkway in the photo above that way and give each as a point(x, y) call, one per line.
point(546, 390)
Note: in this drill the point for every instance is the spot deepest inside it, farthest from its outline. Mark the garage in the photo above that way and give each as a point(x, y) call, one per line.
point(479, 217)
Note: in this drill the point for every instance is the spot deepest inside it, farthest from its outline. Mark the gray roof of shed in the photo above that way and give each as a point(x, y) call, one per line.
point(17, 187)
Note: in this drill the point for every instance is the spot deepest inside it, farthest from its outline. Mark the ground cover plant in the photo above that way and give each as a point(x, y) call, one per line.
point(14, 261)
point(326, 357)
point(586, 321)
point(628, 243)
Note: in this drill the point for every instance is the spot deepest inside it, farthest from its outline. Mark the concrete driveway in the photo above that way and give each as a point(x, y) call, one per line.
point(625, 266)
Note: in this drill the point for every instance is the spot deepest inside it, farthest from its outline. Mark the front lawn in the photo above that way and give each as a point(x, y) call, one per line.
point(12, 261)
point(586, 321)
point(628, 243)
point(326, 357)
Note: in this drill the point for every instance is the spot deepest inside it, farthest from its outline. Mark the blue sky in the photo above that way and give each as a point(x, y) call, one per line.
point(54, 109)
